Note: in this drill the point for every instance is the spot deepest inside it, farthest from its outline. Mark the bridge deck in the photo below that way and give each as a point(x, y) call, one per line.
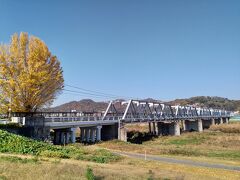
point(134, 112)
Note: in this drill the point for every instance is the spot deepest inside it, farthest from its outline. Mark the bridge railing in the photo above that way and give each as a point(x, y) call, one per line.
point(81, 118)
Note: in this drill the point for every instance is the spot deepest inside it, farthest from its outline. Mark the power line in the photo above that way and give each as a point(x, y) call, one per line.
point(80, 95)
point(91, 92)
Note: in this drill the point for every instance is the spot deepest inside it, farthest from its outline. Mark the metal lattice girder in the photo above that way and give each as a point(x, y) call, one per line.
point(167, 111)
point(139, 110)
point(179, 111)
point(130, 110)
point(156, 110)
point(110, 110)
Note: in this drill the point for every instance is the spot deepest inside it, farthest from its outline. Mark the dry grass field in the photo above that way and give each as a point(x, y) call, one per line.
point(227, 128)
point(126, 168)
point(215, 146)
point(221, 142)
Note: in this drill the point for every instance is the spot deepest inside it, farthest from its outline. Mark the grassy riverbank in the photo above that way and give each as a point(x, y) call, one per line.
point(11, 143)
point(14, 167)
point(19, 155)
point(222, 142)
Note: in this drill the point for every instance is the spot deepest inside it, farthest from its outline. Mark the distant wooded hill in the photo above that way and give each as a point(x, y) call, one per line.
point(88, 105)
point(210, 102)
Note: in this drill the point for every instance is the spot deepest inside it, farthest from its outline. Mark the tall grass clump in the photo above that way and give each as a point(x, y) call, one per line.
point(89, 174)
point(226, 128)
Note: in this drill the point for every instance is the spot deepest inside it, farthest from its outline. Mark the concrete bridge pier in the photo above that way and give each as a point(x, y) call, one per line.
point(122, 134)
point(90, 134)
point(87, 134)
point(65, 136)
point(220, 120)
point(172, 128)
point(149, 127)
point(225, 120)
point(93, 134)
point(183, 125)
point(98, 133)
point(73, 135)
point(152, 128)
point(212, 121)
point(195, 125)
point(82, 134)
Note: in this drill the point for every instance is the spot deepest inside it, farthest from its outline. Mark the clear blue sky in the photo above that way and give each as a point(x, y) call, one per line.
point(164, 49)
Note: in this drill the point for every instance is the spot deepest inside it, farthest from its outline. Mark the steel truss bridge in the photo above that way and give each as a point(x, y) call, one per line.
point(142, 111)
point(163, 119)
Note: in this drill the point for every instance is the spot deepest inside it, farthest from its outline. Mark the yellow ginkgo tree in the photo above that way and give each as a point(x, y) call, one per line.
point(30, 76)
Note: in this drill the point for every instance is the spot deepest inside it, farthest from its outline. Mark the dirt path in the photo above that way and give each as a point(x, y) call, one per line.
point(179, 161)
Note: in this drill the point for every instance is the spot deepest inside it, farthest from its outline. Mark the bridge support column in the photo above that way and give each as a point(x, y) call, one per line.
point(154, 128)
point(183, 125)
point(73, 135)
point(200, 125)
point(122, 136)
point(221, 120)
point(92, 135)
point(62, 138)
point(67, 136)
point(88, 134)
point(99, 133)
point(149, 127)
point(194, 125)
point(212, 121)
point(225, 120)
point(174, 129)
point(82, 134)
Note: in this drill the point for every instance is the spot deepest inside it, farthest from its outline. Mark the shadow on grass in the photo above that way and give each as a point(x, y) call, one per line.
point(137, 137)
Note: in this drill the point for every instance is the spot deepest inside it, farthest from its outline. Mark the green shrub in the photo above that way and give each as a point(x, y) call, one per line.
point(12, 143)
point(3, 177)
point(137, 137)
point(54, 154)
point(89, 174)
